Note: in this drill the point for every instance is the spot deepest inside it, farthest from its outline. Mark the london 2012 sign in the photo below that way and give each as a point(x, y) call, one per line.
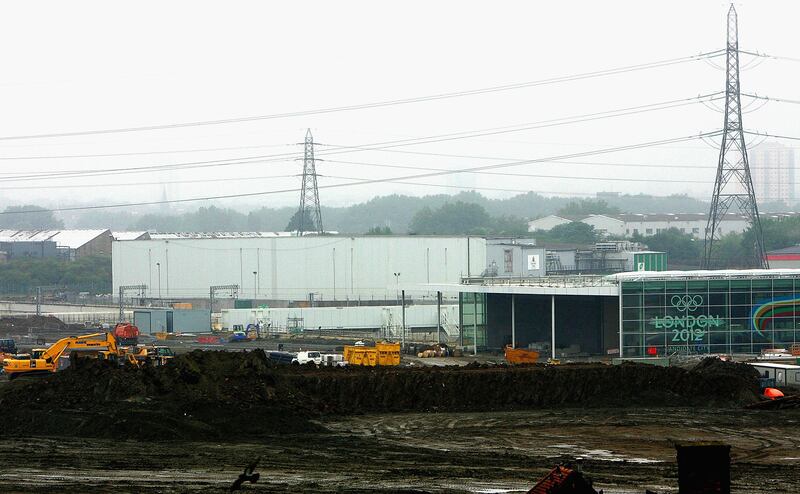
point(687, 326)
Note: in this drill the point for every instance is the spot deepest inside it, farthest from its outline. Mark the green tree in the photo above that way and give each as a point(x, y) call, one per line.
point(29, 217)
point(451, 219)
point(682, 248)
point(570, 233)
point(294, 222)
point(379, 230)
point(585, 207)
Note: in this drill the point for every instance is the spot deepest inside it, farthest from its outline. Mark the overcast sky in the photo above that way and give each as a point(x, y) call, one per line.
point(77, 66)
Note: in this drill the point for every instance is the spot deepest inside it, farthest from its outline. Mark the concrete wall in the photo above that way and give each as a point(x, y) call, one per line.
point(289, 268)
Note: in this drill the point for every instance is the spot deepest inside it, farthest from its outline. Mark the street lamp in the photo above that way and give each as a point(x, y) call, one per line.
point(255, 285)
point(397, 281)
point(158, 265)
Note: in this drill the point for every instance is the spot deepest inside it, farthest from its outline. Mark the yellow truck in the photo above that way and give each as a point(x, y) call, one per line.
point(371, 356)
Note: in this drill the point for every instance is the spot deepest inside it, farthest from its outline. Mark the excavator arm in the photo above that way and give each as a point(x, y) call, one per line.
point(47, 360)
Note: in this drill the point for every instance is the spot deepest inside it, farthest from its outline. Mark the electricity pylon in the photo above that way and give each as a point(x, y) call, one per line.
point(733, 188)
point(309, 193)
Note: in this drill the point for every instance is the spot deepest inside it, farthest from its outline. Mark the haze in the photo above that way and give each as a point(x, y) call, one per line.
point(101, 65)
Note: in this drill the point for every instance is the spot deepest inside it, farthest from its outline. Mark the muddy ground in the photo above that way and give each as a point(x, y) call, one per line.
point(624, 451)
point(192, 425)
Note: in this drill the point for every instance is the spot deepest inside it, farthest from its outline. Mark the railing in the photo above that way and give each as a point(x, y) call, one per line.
point(546, 281)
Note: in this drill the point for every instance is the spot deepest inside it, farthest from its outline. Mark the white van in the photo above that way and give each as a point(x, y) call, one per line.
point(306, 357)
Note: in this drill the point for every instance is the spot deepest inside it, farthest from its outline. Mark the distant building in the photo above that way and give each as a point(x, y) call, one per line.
point(628, 225)
point(788, 257)
point(545, 223)
point(70, 244)
point(130, 235)
point(34, 250)
point(772, 170)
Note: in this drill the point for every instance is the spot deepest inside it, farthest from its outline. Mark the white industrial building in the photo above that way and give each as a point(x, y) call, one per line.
point(282, 267)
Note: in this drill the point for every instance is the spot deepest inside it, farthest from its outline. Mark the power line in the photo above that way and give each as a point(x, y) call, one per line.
point(146, 169)
point(774, 136)
point(536, 125)
point(767, 98)
point(765, 55)
point(139, 184)
point(457, 94)
point(140, 153)
point(375, 146)
point(385, 180)
point(464, 187)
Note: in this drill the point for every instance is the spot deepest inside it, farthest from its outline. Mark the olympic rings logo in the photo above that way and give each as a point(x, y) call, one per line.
point(687, 302)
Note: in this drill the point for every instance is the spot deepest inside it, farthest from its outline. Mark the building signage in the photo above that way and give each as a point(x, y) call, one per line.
point(687, 327)
point(773, 309)
point(533, 262)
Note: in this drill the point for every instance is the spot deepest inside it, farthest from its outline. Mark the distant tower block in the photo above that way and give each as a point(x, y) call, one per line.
point(309, 193)
point(733, 188)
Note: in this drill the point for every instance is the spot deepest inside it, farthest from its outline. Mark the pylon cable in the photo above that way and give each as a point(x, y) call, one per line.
point(384, 180)
point(456, 94)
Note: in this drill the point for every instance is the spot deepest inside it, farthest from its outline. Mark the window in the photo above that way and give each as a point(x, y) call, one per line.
point(636, 231)
point(649, 231)
point(508, 256)
point(627, 231)
point(695, 230)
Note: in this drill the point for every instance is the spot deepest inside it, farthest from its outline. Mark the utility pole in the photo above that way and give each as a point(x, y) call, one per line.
point(309, 192)
point(733, 187)
point(127, 288)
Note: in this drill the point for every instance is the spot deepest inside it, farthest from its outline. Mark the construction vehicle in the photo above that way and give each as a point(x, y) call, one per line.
point(8, 348)
point(371, 356)
point(139, 356)
point(46, 360)
point(126, 333)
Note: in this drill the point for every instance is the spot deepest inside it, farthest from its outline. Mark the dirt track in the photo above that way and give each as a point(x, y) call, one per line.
point(624, 451)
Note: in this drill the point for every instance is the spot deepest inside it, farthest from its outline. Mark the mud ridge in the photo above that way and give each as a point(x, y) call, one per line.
point(226, 395)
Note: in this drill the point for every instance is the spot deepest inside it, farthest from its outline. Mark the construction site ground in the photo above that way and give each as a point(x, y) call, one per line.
point(624, 451)
point(194, 425)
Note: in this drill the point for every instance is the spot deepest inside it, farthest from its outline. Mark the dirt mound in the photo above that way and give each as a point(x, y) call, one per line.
point(201, 395)
point(507, 388)
point(11, 323)
point(212, 395)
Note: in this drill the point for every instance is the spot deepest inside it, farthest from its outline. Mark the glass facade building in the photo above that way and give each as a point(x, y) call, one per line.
point(472, 314)
point(715, 314)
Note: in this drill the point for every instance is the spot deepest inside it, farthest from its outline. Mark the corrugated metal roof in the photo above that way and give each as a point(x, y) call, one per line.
point(72, 239)
point(181, 235)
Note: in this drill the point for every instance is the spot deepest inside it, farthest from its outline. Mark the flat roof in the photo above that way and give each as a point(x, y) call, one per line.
point(705, 274)
point(772, 365)
point(596, 285)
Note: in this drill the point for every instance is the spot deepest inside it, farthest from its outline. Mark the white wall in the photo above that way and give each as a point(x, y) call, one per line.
point(546, 223)
point(289, 268)
point(605, 225)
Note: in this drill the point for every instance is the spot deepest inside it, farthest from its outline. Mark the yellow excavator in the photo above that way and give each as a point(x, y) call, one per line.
point(46, 360)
